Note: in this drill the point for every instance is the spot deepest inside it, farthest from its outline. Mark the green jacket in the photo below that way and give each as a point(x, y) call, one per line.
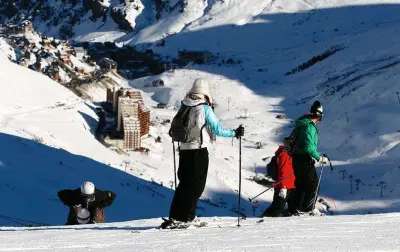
point(307, 138)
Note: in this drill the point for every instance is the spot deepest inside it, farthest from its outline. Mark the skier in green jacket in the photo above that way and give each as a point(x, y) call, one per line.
point(304, 156)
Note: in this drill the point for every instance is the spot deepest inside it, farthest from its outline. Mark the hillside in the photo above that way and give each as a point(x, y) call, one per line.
point(270, 58)
point(47, 144)
point(283, 60)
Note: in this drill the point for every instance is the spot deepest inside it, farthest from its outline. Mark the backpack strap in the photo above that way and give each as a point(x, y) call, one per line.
point(202, 127)
point(201, 135)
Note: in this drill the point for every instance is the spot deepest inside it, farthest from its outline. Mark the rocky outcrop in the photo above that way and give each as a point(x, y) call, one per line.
point(118, 15)
point(125, 14)
point(96, 6)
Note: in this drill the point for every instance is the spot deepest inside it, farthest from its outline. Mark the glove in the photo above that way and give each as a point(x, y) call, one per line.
point(282, 193)
point(324, 159)
point(239, 132)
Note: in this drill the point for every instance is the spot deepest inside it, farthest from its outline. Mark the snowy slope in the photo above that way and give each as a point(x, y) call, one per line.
point(266, 23)
point(143, 22)
point(47, 145)
point(6, 50)
point(269, 38)
point(262, 126)
point(343, 233)
point(358, 86)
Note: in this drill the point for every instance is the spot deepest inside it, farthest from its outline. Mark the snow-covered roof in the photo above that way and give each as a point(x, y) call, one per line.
point(78, 63)
point(50, 60)
point(79, 49)
point(126, 101)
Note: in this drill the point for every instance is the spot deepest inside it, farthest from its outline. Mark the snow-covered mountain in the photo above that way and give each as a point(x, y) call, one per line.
point(269, 58)
point(91, 20)
point(81, 19)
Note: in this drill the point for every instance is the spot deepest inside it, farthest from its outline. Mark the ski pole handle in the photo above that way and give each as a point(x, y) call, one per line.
point(330, 163)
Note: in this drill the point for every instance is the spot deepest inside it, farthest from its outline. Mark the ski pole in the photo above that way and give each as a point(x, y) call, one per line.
point(319, 182)
point(14, 221)
point(251, 199)
point(240, 178)
point(173, 149)
point(19, 221)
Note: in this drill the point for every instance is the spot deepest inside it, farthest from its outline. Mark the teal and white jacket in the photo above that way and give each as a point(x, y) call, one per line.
point(206, 121)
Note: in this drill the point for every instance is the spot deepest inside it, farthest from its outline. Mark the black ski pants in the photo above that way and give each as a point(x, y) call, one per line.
point(306, 183)
point(277, 206)
point(192, 174)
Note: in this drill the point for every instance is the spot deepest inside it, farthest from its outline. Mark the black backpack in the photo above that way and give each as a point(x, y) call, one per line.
point(272, 168)
point(182, 124)
point(293, 139)
point(293, 142)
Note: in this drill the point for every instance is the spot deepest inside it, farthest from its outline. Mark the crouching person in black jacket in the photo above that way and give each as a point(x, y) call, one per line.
point(86, 204)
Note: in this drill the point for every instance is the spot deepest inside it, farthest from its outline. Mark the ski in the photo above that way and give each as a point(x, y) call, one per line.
point(311, 213)
point(173, 225)
point(188, 225)
point(262, 180)
point(327, 205)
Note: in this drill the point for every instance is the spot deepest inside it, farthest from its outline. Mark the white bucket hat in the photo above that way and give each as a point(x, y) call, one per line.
point(200, 86)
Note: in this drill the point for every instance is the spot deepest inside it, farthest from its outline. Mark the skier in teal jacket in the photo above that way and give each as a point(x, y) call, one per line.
point(193, 153)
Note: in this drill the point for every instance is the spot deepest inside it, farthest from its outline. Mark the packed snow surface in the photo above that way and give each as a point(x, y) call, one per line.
point(342, 233)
